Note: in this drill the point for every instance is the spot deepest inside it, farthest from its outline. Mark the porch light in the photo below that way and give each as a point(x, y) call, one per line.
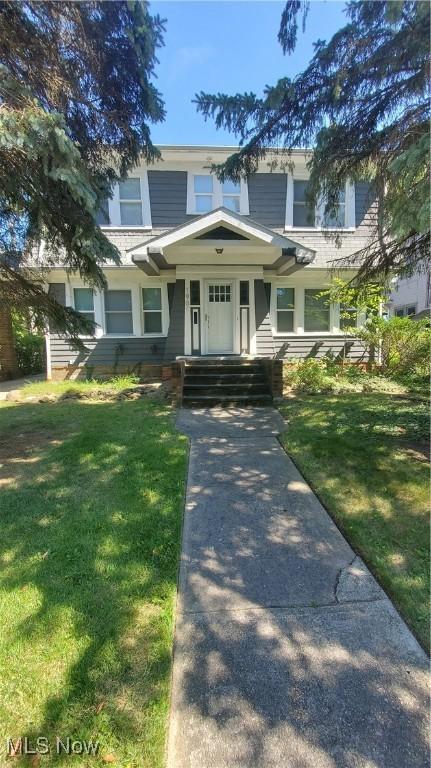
point(219, 251)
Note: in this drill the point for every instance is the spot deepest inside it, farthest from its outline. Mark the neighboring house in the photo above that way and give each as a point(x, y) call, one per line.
point(212, 269)
point(411, 297)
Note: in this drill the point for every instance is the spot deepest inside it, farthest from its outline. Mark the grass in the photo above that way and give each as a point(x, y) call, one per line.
point(86, 386)
point(365, 456)
point(92, 497)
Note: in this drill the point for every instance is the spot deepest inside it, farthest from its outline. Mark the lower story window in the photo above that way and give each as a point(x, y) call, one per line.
point(316, 310)
point(407, 311)
point(152, 308)
point(285, 310)
point(84, 302)
point(118, 312)
point(348, 317)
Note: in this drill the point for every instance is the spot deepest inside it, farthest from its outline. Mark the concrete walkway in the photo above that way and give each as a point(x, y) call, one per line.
point(11, 387)
point(287, 652)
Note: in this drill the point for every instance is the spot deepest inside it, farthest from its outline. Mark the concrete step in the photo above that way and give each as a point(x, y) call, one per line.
point(217, 378)
point(229, 388)
point(206, 401)
point(222, 368)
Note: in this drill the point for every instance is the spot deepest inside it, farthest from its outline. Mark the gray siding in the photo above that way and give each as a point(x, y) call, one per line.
point(264, 337)
point(108, 352)
point(302, 347)
point(168, 197)
point(175, 339)
point(364, 203)
point(267, 199)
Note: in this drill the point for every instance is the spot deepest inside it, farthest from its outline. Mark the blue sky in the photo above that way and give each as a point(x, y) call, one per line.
point(229, 47)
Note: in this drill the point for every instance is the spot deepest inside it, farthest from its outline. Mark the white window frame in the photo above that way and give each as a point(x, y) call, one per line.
point(115, 210)
point(349, 223)
point(98, 314)
point(274, 289)
point(165, 309)
point(405, 307)
point(105, 325)
point(217, 195)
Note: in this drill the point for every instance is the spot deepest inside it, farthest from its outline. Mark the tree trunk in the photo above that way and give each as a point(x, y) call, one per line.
point(8, 361)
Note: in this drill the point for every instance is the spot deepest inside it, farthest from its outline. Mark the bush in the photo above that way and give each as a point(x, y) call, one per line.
point(404, 345)
point(309, 376)
point(29, 347)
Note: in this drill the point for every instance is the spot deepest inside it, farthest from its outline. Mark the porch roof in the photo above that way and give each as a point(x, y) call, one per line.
point(250, 244)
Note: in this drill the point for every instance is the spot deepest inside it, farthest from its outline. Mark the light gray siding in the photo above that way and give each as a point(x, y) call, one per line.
point(108, 352)
point(264, 337)
point(303, 347)
point(168, 197)
point(267, 199)
point(175, 339)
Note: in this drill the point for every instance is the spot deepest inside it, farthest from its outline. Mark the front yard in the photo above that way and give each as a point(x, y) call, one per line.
point(91, 508)
point(366, 456)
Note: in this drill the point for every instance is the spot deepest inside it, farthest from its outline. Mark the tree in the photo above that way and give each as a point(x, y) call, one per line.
point(76, 102)
point(363, 102)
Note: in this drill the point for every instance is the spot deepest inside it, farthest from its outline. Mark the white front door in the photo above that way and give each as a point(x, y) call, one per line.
point(219, 316)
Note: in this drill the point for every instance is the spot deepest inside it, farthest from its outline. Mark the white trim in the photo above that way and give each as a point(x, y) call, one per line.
point(252, 317)
point(217, 194)
point(350, 213)
point(187, 328)
point(48, 355)
point(206, 221)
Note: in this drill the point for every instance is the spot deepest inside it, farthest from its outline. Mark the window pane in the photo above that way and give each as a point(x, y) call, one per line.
point(203, 184)
point(153, 322)
point(285, 298)
point(337, 219)
point(119, 322)
point(244, 288)
point(411, 310)
point(316, 314)
point(83, 299)
point(204, 203)
point(130, 189)
point(284, 322)
point(350, 317)
point(102, 215)
point(118, 301)
point(195, 292)
point(303, 215)
point(152, 298)
point(232, 203)
point(399, 312)
point(299, 191)
point(231, 187)
point(131, 213)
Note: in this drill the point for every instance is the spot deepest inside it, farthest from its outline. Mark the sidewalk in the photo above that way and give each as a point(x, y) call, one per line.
point(287, 652)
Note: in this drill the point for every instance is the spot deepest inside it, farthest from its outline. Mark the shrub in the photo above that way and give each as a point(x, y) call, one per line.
point(309, 376)
point(404, 344)
point(29, 347)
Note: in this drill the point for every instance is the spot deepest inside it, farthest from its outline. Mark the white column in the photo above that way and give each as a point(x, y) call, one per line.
point(136, 310)
point(252, 318)
point(299, 310)
point(187, 328)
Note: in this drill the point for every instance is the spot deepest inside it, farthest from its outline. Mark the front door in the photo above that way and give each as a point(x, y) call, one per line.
point(219, 317)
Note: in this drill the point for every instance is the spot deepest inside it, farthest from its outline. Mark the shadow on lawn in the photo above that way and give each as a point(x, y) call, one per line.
point(93, 523)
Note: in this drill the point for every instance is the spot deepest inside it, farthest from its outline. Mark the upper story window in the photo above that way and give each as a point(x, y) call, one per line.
point(129, 205)
point(131, 202)
point(302, 214)
point(205, 193)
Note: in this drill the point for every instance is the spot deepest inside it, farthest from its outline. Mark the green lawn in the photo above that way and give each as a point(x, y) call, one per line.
point(90, 518)
point(365, 456)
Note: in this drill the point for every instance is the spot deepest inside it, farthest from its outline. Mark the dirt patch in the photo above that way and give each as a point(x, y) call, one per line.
point(21, 452)
point(417, 451)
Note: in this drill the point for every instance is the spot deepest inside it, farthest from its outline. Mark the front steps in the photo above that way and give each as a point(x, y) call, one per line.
point(225, 381)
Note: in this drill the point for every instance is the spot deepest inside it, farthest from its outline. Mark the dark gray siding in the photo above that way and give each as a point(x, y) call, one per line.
point(364, 199)
point(168, 197)
point(267, 199)
point(108, 352)
point(175, 339)
point(264, 337)
point(302, 347)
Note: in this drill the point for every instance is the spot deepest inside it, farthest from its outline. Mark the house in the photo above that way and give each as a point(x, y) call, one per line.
point(212, 269)
point(411, 296)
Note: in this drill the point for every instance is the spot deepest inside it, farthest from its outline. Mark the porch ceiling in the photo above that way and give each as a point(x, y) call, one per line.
point(192, 244)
